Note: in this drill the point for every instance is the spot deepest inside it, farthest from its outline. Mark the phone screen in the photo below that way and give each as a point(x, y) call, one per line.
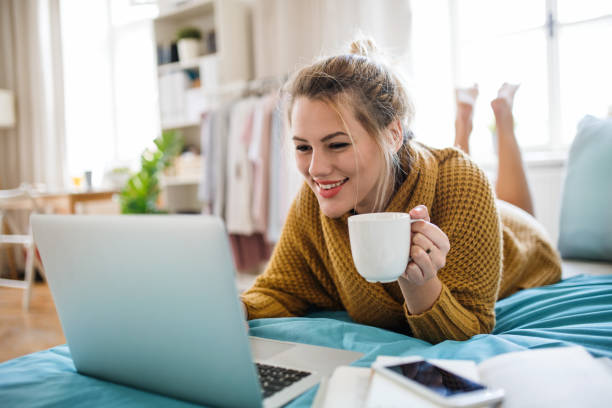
point(435, 378)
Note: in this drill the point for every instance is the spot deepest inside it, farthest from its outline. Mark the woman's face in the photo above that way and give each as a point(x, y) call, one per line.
point(342, 173)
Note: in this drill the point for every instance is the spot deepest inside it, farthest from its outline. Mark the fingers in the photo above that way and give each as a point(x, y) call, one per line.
point(414, 274)
point(420, 212)
point(422, 267)
point(433, 233)
point(435, 255)
point(429, 247)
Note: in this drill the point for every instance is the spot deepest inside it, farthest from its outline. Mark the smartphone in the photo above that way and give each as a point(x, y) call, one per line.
point(439, 385)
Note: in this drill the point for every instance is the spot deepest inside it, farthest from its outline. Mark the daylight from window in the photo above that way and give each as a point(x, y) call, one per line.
point(551, 48)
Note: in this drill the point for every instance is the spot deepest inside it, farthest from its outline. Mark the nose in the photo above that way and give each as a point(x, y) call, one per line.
point(320, 165)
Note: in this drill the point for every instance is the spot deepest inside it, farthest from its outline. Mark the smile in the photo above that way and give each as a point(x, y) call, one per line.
point(333, 185)
point(330, 189)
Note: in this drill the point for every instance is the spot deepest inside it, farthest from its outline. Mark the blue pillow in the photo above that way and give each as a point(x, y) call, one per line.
point(586, 210)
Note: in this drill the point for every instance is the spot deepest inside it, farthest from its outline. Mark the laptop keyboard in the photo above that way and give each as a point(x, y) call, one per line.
point(273, 378)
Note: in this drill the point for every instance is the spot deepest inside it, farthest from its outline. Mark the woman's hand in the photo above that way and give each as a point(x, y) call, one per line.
point(429, 246)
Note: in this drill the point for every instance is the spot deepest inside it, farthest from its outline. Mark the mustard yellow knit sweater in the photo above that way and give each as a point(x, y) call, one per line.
point(496, 249)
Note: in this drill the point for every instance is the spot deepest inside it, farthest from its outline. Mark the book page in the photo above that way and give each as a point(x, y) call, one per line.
point(553, 377)
point(606, 362)
point(347, 387)
point(386, 393)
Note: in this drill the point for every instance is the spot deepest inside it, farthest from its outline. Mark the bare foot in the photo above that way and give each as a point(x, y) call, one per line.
point(465, 99)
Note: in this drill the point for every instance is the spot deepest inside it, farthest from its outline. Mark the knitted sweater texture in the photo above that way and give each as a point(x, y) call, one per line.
point(496, 249)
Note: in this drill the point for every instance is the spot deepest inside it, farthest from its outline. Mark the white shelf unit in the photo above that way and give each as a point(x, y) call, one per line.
point(181, 99)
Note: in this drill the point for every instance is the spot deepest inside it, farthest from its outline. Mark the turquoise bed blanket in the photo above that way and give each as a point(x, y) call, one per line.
point(576, 311)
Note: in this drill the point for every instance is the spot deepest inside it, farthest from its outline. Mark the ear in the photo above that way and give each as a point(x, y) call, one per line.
point(397, 135)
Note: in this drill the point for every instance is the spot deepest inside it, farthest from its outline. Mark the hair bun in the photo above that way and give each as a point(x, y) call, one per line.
point(364, 47)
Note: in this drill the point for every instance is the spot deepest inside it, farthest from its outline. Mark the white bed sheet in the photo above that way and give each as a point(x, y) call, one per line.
point(571, 268)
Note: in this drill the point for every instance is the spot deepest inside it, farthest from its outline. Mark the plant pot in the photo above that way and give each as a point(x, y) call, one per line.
point(188, 49)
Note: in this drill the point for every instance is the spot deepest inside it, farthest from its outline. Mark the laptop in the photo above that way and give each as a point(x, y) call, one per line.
point(150, 301)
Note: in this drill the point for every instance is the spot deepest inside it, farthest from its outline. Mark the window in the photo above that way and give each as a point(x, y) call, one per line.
point(584, 31)
point(110, 83)
point(551, 47)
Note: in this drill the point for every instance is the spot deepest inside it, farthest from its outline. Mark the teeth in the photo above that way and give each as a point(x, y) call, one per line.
point(330, 186)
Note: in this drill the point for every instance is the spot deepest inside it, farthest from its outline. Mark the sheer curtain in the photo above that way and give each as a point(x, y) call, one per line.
point(288, 34)
point(31, 66)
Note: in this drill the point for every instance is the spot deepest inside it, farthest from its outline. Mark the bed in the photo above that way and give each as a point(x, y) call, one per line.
point(575, 311)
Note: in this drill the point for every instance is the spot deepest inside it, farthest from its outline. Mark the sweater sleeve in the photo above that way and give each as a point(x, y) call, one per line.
point(465, 210)
point(289, 287)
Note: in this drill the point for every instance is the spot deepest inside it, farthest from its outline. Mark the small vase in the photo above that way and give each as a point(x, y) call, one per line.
point(188, 49)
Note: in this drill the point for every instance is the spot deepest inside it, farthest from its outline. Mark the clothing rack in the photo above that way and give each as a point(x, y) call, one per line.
point(265, 85)
point(243, 178)
point(243, 88)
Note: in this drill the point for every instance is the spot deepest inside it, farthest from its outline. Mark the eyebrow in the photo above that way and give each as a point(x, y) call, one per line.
point(324, 139)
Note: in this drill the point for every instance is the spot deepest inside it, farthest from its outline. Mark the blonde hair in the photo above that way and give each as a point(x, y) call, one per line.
point(374, 92)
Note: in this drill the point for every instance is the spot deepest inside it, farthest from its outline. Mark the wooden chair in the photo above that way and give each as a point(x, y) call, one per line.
point(12, 201)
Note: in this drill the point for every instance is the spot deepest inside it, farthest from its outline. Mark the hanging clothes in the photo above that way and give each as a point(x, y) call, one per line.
point(250, 251)
point(246, 174)
point(284, 180)
point(239, 170)
point(259, 155)
point(213, 141)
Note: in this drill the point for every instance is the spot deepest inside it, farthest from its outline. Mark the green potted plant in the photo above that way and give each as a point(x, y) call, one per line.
point(139, 196)
point(188, 44)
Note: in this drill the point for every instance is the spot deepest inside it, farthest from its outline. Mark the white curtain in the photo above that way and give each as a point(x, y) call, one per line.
point(291, 33)
point(31, 66)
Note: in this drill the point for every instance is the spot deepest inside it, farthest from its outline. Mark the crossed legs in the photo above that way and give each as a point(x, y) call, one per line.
point(511, 185)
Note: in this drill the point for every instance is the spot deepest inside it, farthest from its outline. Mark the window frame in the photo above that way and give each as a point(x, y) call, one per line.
point(552, 26)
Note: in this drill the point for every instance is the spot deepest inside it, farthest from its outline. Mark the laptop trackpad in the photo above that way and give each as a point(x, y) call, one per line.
point(263, 349)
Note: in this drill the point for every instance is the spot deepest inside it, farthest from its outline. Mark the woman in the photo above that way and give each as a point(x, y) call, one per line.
point(349, 117)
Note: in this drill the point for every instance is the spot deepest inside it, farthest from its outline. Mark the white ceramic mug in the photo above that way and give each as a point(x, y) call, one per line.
point(380, 244)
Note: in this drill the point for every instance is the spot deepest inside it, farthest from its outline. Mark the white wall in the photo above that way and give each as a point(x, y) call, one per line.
point(546, 182)
point(545, 176)
point(290, 34)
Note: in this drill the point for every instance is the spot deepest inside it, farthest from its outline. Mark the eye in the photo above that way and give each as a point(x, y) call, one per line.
point(302, 148)
point(339, 145)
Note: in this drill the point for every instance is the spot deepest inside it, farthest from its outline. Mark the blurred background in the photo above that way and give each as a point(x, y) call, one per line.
point(86, 87)
point(94, 82)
